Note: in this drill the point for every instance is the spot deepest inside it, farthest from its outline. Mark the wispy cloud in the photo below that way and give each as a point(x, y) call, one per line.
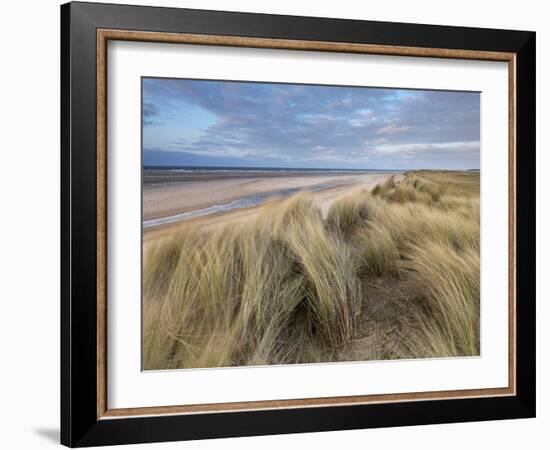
point(393, 128)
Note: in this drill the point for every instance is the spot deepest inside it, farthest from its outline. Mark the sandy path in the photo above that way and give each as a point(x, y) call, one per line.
point(346, 185)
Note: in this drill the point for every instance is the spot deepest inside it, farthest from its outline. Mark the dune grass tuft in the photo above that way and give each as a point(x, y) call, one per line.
point(348, 213)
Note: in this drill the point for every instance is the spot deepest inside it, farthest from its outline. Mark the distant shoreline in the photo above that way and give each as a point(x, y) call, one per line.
point(165, 175)
point(261, 168)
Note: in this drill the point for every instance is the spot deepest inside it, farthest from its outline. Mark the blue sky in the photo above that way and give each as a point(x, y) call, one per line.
point(225, 123)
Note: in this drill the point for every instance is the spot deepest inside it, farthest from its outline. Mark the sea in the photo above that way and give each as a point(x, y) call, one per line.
point(257, 169)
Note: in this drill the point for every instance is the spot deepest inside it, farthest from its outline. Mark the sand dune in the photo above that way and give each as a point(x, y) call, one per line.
point(388, 276)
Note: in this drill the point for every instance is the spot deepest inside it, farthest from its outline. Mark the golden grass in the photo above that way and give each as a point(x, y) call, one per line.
point(389, 274)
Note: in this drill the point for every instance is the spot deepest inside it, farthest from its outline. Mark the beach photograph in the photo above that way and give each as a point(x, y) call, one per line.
point(298, 224)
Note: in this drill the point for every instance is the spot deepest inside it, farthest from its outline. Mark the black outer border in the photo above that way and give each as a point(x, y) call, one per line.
point(79, 425)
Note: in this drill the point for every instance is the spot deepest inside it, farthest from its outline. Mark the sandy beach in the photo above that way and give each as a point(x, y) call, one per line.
point(172, 195)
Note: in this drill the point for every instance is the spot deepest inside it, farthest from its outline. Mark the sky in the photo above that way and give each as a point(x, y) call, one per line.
point(227, 123)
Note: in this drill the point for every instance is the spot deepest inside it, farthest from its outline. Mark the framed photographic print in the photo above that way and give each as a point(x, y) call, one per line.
point(276, 224)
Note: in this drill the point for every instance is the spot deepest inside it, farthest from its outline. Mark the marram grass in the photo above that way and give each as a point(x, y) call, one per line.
point(392, 273)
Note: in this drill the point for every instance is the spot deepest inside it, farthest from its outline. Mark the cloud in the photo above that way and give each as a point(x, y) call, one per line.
point(439, 147)
point(150, 109)
point(308, 125)
point(393, 128)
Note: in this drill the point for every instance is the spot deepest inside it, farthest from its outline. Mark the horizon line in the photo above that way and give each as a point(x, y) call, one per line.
point(145, 166)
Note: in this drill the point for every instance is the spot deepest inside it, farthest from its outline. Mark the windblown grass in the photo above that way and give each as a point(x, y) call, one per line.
point(389, 274)
point(277, 290)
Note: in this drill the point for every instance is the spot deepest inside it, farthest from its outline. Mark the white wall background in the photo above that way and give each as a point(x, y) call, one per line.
point(29, 233)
